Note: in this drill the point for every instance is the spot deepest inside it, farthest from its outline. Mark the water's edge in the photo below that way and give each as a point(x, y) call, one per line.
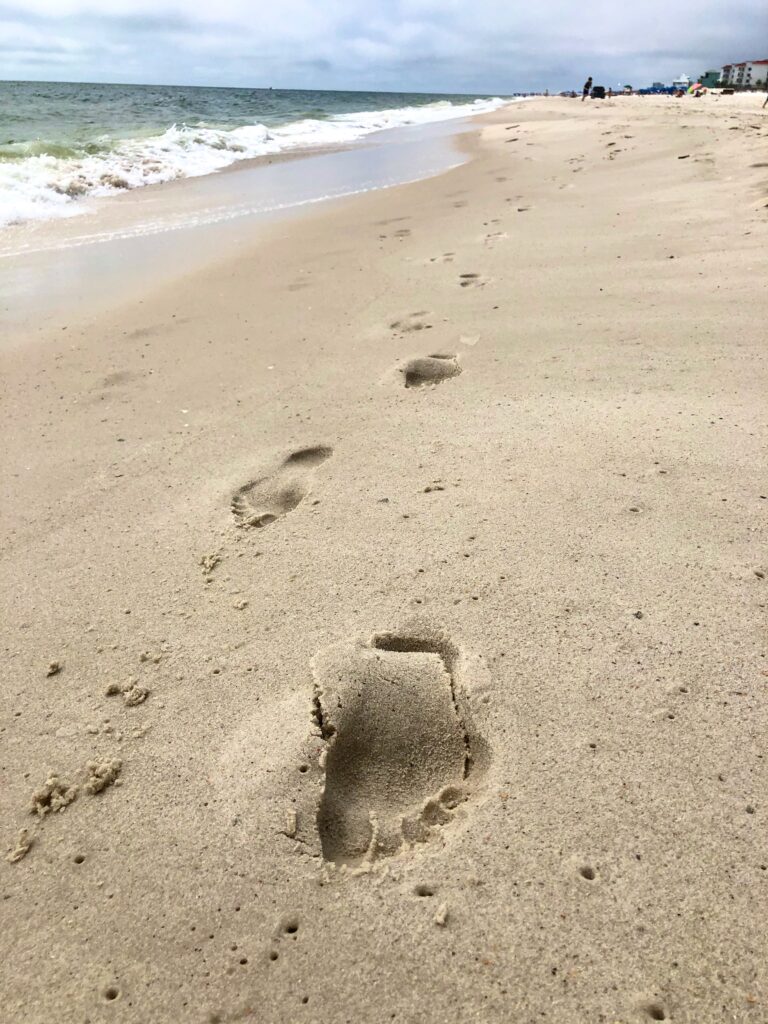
point(152, 236)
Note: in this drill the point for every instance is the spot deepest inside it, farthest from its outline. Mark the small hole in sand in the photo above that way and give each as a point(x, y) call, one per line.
point(273, 954)
point(656, 1012)
point(633, 509)
point(291, 927)
point(78, 858)
point(111, 993)
point(243, 960)
point(303, 768)
point(425, 890)
point(588, 873)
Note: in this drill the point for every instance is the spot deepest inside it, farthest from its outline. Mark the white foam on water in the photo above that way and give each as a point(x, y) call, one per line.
point(205, 217)
point(40, 187)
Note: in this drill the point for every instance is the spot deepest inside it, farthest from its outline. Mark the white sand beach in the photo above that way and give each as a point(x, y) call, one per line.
point(385, 626)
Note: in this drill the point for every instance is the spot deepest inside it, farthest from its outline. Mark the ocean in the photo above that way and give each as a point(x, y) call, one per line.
point(63, 142)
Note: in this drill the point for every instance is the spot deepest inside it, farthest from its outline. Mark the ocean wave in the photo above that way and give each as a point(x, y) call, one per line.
point(38, 182)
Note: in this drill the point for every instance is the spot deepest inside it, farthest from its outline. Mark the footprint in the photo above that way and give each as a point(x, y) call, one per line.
point(397, 750)
point(446, 257)
point(432, 369)
point(472, 281)
point(269, 497)
point(411, 322)
point(118, 377)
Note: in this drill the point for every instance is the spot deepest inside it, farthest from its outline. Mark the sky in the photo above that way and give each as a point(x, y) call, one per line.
point(458, 46)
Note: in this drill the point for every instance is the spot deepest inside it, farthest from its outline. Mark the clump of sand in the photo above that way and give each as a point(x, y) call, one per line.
point(54, 795)
point(101, 776)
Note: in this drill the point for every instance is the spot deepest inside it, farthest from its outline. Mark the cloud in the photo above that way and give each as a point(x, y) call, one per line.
point(498, 46)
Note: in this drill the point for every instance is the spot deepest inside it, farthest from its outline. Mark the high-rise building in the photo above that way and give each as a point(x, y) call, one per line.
point(747, 74)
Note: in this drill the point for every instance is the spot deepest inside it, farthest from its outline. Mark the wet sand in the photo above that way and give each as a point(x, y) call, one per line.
point(385, 629)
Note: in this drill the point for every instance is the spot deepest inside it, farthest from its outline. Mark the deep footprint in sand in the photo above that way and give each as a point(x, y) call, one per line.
point(267, 498)
point(397, 749)
point(472, 281)
point(432, 369)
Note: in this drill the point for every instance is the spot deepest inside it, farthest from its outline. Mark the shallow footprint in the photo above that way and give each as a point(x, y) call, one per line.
point(432, 369)
point(397, 751)
point(262, 501)
point(411, 322)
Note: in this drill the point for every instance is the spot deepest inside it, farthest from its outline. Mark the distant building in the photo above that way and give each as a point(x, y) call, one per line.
point(658, 85)
point(681, 82)
point(746, 75)
point(710, 79)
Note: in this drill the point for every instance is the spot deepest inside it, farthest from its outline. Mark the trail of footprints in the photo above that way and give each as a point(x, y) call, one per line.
point(397, 762)
point(274, 494)
point(396, 752)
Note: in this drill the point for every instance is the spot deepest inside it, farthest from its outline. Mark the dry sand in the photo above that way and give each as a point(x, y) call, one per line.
point(451, 500)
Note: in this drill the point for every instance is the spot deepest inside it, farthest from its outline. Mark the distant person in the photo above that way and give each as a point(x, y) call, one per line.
point(587, 89)
point(765, 103)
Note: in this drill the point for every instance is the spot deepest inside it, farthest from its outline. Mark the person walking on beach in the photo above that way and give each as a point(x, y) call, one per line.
point(587, 89)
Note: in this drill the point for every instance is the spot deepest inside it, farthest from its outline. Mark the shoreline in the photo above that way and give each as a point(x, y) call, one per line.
point(160, 232)
point(177, 156)
point(228, 503)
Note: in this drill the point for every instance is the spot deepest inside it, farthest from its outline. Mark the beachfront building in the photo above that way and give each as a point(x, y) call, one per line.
point(710, 79)
point(746, 75)
point(681, 82)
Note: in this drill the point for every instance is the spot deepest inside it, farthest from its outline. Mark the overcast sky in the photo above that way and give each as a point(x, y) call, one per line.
point(483, 46)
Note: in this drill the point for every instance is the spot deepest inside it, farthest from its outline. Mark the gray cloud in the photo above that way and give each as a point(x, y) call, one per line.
point(429, 45)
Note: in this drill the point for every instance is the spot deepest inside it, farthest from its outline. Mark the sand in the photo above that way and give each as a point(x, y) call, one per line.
point(406, 583)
